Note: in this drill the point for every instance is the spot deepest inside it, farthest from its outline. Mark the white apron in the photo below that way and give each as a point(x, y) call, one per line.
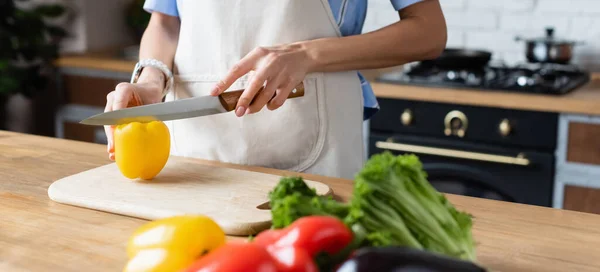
point(320, 133)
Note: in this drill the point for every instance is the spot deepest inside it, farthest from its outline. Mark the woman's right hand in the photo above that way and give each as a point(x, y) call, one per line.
point(129, 95)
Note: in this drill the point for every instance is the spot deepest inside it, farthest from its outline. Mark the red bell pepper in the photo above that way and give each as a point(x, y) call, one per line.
point(291, 249)
point(314, 234)
point(296, 245)
point(292, 259)
point(236, 256)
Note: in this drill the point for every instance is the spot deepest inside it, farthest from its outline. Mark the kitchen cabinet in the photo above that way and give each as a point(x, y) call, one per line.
point(88, 89)
point(583, 199)
point(583, 143)
point(83, 94)
point(577, 184)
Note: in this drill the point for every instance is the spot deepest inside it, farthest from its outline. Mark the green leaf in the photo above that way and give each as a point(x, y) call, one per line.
point(51, 11)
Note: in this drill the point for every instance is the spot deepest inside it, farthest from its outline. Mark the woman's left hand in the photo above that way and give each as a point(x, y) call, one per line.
point(279, 69)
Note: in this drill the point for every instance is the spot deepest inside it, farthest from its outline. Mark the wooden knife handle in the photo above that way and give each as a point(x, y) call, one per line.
point(229, 100)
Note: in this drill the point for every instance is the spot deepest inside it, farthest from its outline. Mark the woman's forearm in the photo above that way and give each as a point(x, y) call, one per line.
point(421, 34)
point(159, 42)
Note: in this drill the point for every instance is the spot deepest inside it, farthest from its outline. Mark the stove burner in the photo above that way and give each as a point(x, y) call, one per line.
point(528, 78)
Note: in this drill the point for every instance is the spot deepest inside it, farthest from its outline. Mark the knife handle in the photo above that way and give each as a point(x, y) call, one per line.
point(229, 100)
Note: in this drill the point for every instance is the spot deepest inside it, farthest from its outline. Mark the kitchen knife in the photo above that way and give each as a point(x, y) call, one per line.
point(178, 109)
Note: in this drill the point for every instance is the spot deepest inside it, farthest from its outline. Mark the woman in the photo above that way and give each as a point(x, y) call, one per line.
point(217, 45)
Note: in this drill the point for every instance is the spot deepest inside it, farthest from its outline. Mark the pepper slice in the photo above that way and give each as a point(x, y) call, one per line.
point(142, 149)
point(174, 243)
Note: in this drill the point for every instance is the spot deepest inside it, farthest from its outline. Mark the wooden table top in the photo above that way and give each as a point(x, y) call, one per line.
point(37, 234)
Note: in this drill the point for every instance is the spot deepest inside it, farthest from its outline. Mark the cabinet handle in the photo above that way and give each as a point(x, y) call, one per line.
point(518, 160)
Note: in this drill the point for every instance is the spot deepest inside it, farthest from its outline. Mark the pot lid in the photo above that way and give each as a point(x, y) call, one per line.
point(550, 38)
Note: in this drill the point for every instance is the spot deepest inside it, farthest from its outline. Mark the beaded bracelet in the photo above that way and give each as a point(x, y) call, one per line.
point(158, 65)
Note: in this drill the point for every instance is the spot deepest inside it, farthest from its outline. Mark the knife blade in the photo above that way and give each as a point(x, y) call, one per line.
point(178, 109)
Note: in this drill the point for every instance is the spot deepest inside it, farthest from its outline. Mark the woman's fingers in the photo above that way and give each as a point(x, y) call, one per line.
point(281, 95)
point(264, 96)
point(123, 96)
point(109, 130)
point(258, 80)
point(245, 65)
point(278, 66)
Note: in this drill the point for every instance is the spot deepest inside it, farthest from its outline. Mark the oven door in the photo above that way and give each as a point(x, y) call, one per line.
point(466, 180)
point(491, 172)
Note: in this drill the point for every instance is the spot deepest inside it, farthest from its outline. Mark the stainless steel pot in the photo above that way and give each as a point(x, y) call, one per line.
point(548, 49)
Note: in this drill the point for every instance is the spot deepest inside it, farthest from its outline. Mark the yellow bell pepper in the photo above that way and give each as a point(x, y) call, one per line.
point(173, 243)
point(142, 149)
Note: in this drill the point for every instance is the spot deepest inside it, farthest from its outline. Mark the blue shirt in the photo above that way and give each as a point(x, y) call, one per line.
point(350, 16)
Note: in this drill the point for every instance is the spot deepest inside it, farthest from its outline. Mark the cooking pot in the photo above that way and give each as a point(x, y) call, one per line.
point(548, 49)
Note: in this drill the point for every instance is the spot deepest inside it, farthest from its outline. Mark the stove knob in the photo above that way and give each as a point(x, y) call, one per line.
point(406, 117)
point(504, 128)
point(455, 123)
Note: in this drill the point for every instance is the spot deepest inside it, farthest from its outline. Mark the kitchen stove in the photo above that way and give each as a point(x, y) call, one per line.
point(539, 78)
point(478, 151)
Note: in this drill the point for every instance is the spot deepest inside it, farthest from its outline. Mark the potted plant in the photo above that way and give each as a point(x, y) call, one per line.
point(29, 44)
point(137, 18)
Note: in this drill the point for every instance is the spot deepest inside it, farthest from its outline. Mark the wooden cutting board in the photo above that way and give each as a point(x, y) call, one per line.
point(235, 199)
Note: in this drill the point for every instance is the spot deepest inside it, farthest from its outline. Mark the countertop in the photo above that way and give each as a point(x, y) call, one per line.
point(37, 234)
point(585, 100)
point(107, 60)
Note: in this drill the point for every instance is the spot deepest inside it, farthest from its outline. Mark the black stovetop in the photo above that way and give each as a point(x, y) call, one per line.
point(550, 79)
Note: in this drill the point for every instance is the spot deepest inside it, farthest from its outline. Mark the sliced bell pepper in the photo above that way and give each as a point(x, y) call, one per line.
point(172, 243)
point(142, 149)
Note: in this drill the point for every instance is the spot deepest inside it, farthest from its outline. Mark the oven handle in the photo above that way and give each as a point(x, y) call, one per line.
point(390, 145)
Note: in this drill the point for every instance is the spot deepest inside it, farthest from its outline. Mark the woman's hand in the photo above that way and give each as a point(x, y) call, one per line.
point(158, 42)
point(129, 95)
point(279, 69)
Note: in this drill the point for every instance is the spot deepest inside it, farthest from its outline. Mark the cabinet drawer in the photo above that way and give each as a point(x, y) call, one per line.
point(91, 91)
point(79, 132)
point(581, 199)
point(583, 144)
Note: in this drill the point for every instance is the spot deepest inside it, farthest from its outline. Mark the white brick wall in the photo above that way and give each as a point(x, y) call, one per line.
point(494, 24)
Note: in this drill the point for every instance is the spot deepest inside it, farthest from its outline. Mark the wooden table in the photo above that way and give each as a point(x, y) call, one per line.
point(37, 234)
